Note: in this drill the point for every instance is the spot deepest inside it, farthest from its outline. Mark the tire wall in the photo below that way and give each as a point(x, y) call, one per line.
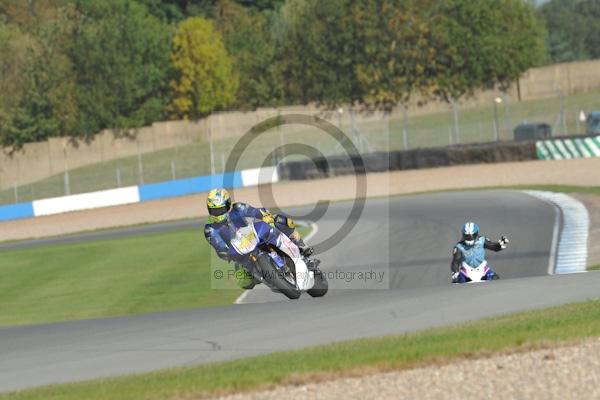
point(410, 159)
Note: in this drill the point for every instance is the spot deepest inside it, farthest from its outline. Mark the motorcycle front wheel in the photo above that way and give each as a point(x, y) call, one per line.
point(275, 277)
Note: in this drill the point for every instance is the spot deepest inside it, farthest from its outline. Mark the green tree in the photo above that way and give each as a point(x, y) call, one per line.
point(484, 43)
point(178, 10)
point(205, 80)
point(14, 46)
point(262, 4)
point(121, 58)
point(573, 29)
point(371, 52)
point(318, 50)
point(247, 37)
point(39, 79)
point(397, 57)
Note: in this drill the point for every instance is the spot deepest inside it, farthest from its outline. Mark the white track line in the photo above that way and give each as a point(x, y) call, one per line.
point(569, 255)
point(313, 232)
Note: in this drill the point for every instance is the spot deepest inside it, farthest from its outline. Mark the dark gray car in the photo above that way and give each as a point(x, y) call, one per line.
point(593, 123)
point(533, 131)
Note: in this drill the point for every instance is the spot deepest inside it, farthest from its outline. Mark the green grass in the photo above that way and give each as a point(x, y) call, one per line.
point(476, 125)
point(595, 190)
point(145, 273)
point(594, 268)
point(124, 276)
point(516, 332)
point(561, 188)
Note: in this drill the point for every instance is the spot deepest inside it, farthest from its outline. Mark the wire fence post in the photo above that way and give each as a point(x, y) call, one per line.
point(173, 170)
point(16, 181)
point(281, 139)
point(496, 127)
point(404, 127)
point(506, 115)
point(562, 113)
point(212, 151)
point(118, 177)
point(455, 116)
point(140, 163)
point(67, 183)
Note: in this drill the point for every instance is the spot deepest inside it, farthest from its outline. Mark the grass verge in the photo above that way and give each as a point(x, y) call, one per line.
point(517, 332)
point(560, 188)
point(146, 273)
point(102, 278)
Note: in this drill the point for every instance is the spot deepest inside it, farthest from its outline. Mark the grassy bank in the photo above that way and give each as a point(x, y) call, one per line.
point(516, 332)
point(102, 278)
point(145, 273)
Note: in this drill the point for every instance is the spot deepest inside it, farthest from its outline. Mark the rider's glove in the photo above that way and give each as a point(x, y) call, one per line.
point(455, 276)
point(503, 241)
point(267, 217)
point(306, 251)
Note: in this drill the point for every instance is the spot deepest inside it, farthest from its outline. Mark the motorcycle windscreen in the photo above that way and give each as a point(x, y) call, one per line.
point(245, 240)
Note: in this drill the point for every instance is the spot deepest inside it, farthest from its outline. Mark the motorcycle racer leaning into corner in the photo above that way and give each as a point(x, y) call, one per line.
point(471, 249)
point(225, 217)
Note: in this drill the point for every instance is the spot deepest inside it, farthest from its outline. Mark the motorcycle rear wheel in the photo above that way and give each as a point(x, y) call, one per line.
point(321, 285)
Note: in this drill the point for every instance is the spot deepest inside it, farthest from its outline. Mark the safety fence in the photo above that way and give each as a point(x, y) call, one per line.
point(315, 168)
point(183, 149)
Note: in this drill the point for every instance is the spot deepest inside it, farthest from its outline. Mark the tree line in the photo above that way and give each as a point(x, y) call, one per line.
point(75, 67)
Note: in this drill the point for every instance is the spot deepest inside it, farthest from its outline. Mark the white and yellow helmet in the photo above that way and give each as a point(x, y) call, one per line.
point(218, 203)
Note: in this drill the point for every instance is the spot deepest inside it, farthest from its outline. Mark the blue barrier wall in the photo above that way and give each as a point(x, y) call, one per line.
point(183, 187)
point(16, 211)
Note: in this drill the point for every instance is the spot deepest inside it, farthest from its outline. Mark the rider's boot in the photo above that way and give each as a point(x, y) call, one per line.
point(305, 251)
point(245, 279)
point(454, 277)
point(312, 263)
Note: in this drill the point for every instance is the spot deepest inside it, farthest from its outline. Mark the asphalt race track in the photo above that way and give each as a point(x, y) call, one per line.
point(389, 275)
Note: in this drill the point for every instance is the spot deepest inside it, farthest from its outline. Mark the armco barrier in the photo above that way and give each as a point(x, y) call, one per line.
point(566, 148)
point(412, 159)
point(86, 201)
point(136, 194)
point(16, 211)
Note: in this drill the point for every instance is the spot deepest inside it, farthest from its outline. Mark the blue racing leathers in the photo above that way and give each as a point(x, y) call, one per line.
point(218, 233)
point(238, 217)
point(472, 254)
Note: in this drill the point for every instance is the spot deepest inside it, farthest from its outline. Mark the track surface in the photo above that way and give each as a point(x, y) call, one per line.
point(407, 239)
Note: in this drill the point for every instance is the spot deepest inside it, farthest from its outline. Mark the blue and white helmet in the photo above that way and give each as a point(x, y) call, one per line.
point(470, 233)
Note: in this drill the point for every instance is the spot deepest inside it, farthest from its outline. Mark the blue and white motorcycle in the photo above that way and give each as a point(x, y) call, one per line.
point(277, 261)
